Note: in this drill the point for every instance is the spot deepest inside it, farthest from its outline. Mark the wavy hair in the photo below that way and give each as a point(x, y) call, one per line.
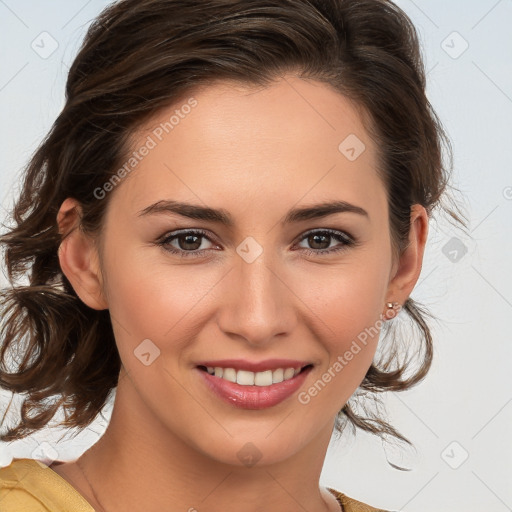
point(141, 56)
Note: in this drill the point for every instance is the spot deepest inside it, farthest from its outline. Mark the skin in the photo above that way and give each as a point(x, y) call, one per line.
point(171, 444)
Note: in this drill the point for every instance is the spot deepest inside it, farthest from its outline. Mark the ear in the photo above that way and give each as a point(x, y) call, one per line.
point(78, 256)
point(408, 267)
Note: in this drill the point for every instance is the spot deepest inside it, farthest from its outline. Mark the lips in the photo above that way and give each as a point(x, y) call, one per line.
point(247, 394)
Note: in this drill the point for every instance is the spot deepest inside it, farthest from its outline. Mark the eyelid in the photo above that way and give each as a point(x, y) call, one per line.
point(185, 231)
point(347, 241)
point(330, 231)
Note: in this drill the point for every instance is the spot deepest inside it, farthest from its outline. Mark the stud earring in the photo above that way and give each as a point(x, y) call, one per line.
point(392, 310)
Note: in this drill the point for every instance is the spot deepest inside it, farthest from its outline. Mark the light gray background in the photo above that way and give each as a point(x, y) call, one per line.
point(460, 417)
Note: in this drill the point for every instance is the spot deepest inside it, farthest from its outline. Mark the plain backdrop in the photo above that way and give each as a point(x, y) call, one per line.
point(460, 417)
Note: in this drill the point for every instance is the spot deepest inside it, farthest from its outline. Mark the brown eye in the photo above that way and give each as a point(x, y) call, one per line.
point(319, 241)
point(189, 242)
point(186, 243)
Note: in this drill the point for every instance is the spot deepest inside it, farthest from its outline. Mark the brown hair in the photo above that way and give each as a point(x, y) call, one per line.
point(140, 56)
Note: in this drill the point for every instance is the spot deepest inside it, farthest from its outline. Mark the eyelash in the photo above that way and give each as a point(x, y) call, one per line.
point(347, 241)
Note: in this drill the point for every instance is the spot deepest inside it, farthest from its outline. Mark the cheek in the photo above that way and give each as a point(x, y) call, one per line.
point(347, 298)
point(344, 311)
point(149, 299)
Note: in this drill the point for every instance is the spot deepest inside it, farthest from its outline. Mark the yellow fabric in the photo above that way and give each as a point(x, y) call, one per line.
point(27, 485)
point(352, 505)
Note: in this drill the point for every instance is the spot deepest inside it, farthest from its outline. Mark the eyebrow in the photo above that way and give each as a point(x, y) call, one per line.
point(222, 216)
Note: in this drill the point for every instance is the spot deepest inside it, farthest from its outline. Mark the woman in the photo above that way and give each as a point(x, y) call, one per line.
point(231, 207)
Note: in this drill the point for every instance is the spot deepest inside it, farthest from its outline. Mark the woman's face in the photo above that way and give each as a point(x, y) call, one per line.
point(258, 288)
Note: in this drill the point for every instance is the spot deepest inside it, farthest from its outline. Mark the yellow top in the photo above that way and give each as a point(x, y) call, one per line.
point(27, 485)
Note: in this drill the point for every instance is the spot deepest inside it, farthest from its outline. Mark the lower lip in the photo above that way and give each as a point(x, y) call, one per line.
point(253, 397)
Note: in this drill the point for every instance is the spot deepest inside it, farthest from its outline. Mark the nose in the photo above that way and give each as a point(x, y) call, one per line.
point(258, 303)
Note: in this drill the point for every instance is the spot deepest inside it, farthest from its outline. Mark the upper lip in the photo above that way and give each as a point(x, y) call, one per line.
point(253, 366)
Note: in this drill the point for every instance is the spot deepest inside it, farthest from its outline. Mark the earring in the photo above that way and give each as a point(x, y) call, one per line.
point(392, 310)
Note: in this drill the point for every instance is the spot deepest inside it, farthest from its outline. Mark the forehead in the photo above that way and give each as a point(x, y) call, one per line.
point(295, 137)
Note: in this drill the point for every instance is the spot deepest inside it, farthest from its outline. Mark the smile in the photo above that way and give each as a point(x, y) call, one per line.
point(246, 389)
point(248, 378)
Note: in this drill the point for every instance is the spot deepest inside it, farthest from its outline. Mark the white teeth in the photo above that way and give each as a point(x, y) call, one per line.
point(263, 378)
point(247, 378)
point(278, 375)
point(229, 374)
point(289, 373)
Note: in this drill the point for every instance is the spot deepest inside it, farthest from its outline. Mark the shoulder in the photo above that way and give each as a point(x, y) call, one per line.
point(352, 505)
point(27, 485)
